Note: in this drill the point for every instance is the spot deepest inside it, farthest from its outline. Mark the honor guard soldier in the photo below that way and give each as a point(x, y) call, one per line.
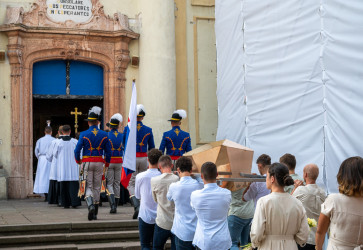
point(144, 142)
point(176, 141)
point(96, 153)
point(114, 170)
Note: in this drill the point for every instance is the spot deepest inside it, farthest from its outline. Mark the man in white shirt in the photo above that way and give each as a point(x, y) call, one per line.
point(165, 211)
point(256, 190)
point(147, 212)
point(41, 184)
point(211, 205)
point(185, 219)
point(312, 197)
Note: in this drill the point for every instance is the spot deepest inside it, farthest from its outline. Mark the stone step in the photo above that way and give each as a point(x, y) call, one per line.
point(131, 245)
point(71, 238)
point(93, 226)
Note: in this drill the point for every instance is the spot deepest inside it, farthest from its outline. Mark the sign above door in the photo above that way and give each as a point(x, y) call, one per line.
point(78, 11)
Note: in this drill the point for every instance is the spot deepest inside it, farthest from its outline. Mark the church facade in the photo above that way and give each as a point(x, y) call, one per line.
point(59, 57)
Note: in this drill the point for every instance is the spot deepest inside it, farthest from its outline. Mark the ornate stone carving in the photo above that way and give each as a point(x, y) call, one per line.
point(38, 16)
point(14, 15)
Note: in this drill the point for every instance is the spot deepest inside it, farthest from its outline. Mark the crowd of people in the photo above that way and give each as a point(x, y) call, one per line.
point(195, 213)
point(192, 211)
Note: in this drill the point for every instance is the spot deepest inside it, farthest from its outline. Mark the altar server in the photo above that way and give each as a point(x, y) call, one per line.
point(41, 184)
point(176, 141)
point(53, 191)
point(67, 169)
point(114, 170)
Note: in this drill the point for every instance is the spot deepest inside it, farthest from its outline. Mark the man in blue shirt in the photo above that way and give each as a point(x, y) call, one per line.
point(96, 152)
point(176, 141)
point(185, 219)
point(256, 190)
point(211, 205)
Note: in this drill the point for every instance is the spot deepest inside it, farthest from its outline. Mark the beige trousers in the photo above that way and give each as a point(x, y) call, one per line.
point(94, 180)
point(114, 178)
point(141, 166)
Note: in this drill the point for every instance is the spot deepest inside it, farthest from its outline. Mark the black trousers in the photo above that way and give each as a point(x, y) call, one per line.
point(69, 193)
point(53, 192)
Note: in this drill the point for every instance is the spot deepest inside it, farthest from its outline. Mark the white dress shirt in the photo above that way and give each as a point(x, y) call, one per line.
point(148, 206)
point(211, 205)
point(185, 219)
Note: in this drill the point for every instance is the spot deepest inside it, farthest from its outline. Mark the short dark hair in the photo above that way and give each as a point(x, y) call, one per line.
point(48, 129)
point(350, 177)
point(289, 160)
point(165, 161)
point(281, 174)
point(264, 159)
point(184, 164)
point(153, 156)
point(66, 128)
point(209, 171)
point(92, 123)
point(60, 129)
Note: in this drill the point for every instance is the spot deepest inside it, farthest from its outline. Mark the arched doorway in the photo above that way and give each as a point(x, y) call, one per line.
point(59, 88)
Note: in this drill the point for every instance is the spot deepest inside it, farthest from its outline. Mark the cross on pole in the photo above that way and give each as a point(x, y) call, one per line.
point(76, 114)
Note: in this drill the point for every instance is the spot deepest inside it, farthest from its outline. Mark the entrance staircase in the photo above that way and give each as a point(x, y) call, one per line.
point(121, 234)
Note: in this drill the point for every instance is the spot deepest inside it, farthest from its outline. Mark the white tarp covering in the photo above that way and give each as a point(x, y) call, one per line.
point(290, 79)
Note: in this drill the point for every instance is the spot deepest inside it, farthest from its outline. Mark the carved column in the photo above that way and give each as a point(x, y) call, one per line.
point(20, 174)
point(117, 88)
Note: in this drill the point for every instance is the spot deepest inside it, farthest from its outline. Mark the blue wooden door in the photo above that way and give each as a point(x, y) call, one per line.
point(54, 77)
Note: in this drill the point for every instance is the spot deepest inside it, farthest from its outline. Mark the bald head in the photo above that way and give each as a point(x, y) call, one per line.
point(311, 172)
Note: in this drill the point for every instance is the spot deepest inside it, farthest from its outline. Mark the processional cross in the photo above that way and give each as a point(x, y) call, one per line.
point(76, 114)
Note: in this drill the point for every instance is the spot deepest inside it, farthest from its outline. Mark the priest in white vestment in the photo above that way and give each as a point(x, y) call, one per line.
point(67, 169)
point(41, 184)
point(280, 220)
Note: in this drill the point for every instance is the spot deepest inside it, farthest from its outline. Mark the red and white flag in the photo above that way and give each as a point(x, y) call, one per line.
point(129, 160)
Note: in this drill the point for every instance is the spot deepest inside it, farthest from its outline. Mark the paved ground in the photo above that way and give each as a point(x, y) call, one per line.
point(36, 211)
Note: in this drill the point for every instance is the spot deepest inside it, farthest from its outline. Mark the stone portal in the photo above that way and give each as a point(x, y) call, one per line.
point(33, 37)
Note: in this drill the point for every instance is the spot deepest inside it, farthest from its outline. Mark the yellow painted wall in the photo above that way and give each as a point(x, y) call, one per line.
point(5, 89)
point(202, 105)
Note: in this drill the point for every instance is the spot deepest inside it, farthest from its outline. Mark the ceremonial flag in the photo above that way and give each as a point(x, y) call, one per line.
point(129, 160)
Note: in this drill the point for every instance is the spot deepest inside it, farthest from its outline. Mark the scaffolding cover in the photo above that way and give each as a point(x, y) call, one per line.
point(290, 77)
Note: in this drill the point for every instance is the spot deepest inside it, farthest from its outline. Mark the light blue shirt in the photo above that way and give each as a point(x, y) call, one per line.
point(256, 191)
point(148, 206)
point(185, 219)
point(211, 205)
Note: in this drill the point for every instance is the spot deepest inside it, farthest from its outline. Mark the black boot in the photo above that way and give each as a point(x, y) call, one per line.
point(96, 212)
point(136, 203)
point(111, 199)
point(91, 207)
